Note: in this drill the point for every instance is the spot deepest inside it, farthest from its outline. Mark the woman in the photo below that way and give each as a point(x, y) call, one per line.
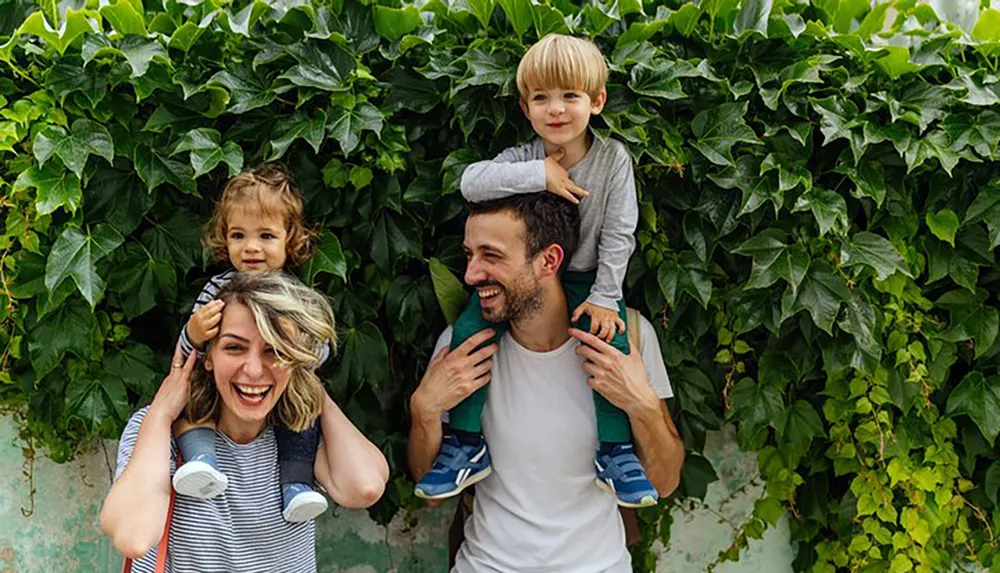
point(258, 369)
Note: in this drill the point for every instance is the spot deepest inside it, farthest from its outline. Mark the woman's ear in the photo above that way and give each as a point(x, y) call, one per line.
point(208, 361)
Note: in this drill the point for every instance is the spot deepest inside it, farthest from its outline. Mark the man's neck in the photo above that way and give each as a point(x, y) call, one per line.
point(575, 150)
point(548, 328)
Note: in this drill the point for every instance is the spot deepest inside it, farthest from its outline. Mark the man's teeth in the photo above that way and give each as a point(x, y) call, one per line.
point(489, 293)
point(253, 390)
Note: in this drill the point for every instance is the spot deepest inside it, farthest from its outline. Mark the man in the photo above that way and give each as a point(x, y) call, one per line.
point(540, 510)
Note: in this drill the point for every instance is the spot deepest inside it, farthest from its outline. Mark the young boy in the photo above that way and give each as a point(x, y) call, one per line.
point(561, 80)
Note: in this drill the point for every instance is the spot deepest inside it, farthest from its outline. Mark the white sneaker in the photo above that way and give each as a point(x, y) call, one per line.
point(199, 479)
point(303, 505)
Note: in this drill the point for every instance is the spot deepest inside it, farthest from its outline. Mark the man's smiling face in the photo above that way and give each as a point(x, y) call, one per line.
point(499, 268)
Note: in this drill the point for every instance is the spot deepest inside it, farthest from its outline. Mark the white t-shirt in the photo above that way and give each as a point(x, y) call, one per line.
point(540, 509)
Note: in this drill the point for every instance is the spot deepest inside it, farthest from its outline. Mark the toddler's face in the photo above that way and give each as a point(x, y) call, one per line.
point(561, 116)
point(256, 242)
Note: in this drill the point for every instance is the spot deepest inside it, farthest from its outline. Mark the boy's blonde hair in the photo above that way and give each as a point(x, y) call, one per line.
point(560, 61)
point(297, 322)
point(267, 191)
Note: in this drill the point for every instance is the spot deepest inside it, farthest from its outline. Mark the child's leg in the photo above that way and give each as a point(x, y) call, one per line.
point(467, 417)
point(296, 460)
point(463, 459)
point(199, 475)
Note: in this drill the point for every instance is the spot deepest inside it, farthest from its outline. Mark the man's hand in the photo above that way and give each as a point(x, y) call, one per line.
point(604, 322)
point(452, 376)
point(557, 179)
point(204, 324)
point(619, 378)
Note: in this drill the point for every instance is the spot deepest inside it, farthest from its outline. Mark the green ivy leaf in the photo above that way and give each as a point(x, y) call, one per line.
point(136, 366)
point(944, 225)
point(346, 125)
point(176, 241)
point(247, 90)
point(155, 170)
point(992, 485)
point(448, 289)
point(756, 405)
point(55, 188)
point(518, 14)
point(717, 130)
point(140, 281)
point(140, 52)
point(773, 259)
point(697, 474)
point(821, 294)
point(394, 23)
point(324, 69)
point(313, 130)
point(328, 258)
point(207, 151)
point(125, 18)
point(659, 82)
point(686, 274)
point(116, 197)
point(758, 188)
point(978, 398)
point(74, 23)
point(364, 360)
point(873, 251)
point(75, 255)
point(84, 138)
point(986, 208)
point(91, 401)
point(801, 424)
point(839, 120)
point(971, 318)
point(828, 208)
point(68, 328)
point(753, 17)
point(860, 321)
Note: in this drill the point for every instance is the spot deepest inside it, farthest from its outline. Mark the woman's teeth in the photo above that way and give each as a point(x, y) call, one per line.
point(252, 393)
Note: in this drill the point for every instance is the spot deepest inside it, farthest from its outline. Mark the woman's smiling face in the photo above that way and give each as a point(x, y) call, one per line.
point(245, 367)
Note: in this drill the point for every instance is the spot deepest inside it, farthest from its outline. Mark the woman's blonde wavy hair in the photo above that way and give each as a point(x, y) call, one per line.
point(297, 322)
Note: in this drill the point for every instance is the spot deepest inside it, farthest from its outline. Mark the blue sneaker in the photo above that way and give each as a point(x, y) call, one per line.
point(457, 467)
point(200, 477)
point(300, 502)
point(621, 474)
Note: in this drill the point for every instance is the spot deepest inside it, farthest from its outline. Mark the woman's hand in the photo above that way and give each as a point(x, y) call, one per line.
point(173, 394)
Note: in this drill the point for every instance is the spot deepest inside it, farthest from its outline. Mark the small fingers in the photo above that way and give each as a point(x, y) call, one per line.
point(580, 311)
point(578, 191)
point(620, 324)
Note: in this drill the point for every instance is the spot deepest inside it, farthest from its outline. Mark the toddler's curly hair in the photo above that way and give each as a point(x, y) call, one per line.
point(267, 191)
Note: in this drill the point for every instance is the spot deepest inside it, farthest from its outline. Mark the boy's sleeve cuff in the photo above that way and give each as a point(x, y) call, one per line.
point(603, 301)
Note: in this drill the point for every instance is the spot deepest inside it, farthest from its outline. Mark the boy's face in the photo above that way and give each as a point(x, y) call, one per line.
point(561, 116)
point(256, 242)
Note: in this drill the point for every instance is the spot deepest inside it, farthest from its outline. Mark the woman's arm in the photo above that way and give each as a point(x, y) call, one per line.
point(135, 509)
point(351, 469)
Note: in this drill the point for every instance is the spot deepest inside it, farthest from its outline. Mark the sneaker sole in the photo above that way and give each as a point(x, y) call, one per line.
point(305, 507)
point(199, 480)
point(646, 501)
point(471, 481)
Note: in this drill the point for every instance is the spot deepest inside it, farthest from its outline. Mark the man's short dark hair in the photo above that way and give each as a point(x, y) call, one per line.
point(548, 219)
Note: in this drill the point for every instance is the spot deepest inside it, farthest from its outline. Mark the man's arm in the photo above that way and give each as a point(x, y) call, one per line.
point(623, 380)
point(451, 377)
point(660, 447)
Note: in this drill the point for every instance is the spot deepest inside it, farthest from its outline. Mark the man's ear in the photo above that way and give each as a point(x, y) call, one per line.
point(552, 258)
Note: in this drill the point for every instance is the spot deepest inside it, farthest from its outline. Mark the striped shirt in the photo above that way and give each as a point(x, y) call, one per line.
point(211, 290)
point(241, 530)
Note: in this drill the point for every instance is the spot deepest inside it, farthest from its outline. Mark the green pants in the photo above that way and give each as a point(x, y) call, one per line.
point(612, 423)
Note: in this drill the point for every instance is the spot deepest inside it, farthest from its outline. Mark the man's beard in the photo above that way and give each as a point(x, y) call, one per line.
point(521, 300)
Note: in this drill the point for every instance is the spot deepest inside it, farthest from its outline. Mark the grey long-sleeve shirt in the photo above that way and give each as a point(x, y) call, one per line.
point(608, 216)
